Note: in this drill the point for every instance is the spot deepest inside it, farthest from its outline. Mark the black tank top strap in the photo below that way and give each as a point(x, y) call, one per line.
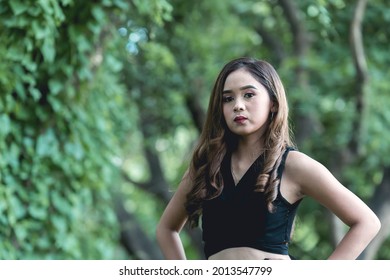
point(283, 161)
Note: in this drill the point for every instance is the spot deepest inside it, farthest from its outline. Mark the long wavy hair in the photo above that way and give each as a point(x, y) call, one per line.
point(216, 140)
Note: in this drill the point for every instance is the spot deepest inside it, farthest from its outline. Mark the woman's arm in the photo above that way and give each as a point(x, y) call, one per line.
point(316, 181)
point(172, 221)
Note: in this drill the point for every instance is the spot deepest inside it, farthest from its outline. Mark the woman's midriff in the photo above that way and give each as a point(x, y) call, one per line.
point(246, 253)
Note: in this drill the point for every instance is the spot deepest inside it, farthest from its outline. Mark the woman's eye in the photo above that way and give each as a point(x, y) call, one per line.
point(249, 94)
point(226, 99)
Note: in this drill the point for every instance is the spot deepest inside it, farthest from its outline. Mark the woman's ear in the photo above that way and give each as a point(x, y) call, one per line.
point(274, 108)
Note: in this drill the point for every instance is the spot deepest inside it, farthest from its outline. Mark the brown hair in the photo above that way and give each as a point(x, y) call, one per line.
point(216, 139)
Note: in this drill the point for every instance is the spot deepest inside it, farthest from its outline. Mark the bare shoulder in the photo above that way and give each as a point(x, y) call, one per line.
point(185, 184)
point(299, 161)
point(311, 178)
point(300, 164)
point(307, 173)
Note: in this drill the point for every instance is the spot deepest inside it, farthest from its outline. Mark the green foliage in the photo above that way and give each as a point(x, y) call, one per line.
point(58, 133)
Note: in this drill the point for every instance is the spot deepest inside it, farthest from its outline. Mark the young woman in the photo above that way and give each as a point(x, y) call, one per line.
point(246, 179)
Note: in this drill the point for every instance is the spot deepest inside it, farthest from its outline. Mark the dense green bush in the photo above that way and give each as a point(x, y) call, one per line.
point(58, 130)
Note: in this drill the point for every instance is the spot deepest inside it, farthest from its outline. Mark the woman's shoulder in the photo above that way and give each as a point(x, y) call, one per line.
point(300, 166)
point(305, 171)
point(299, 162)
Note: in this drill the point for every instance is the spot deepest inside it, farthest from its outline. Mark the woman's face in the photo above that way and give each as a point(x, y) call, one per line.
point(246, 104)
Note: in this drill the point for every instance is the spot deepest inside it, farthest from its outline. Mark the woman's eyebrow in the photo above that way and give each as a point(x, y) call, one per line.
point(241, 88)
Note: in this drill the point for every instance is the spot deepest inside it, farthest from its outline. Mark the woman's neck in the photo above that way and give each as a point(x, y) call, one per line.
point(249, 148)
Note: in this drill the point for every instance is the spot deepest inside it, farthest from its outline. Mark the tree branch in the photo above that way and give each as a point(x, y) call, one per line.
point(308, 123)
point(359, 59)
point(380, 204)
point(300, 35)
point(158, 186)
point(133, 237)
point(194, 106)
point(356, 40)
point(272, 43)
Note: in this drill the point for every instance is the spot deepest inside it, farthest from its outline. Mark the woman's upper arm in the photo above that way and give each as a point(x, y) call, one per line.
point(316, 181)
point(174, 216)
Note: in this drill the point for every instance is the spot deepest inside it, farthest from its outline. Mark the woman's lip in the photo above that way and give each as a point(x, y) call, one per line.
point(240, 119)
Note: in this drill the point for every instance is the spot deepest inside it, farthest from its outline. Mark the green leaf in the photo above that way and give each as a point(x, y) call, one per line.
point(21, 233)
point(47, 144)
point(37, 212)
point(60, 203)
point(59, 222)
point(5, 125)
point(18, 7)
point(35, 93)
point(55, 86)
point(48, 49)
point(98, 13)
point(16, 207)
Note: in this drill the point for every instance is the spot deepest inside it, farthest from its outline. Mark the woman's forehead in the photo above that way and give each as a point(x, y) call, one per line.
point(241, 79)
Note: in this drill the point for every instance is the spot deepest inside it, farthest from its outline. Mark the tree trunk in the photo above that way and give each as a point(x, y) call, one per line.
point(133, 237)
point(308, 124)
point(359, 59)
point(380, 204)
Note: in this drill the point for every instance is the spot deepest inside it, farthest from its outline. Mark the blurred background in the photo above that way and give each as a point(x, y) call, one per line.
point(102, 101)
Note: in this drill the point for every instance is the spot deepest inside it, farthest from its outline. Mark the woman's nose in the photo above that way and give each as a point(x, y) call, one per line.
point(238, 106)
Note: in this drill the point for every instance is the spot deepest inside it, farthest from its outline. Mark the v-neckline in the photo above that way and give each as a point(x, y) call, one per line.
point(254, 164)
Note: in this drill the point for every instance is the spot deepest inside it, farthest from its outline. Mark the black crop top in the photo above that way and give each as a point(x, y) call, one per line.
point(239, 216)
